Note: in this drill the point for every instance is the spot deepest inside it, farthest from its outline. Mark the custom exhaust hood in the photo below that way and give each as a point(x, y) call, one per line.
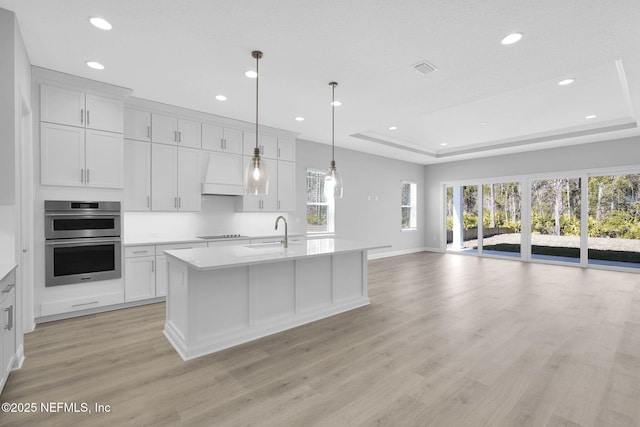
point(224, 175)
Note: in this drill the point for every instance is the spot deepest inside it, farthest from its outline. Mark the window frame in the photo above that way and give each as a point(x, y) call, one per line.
point(330, 204)
point(413, 207)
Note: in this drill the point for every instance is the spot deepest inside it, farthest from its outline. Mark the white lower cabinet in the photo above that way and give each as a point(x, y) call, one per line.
point(7, 326)
point(146, 272)
point(162, 267)
point(139, 273)
point(139, 278)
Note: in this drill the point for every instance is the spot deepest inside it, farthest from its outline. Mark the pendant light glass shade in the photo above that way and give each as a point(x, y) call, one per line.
point(256, 178)
point(333, 188)
point(333, 182)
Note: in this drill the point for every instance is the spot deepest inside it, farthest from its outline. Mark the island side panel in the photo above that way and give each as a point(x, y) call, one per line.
point(272, 290)
point(313, 283)
point(178, 299)
point(219, 301)
point(348, 275)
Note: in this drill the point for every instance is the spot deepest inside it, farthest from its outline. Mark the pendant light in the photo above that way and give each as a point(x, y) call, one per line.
point(256, 179)
point(333, 180)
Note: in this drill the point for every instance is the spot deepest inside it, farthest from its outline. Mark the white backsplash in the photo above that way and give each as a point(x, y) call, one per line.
point(218, 216)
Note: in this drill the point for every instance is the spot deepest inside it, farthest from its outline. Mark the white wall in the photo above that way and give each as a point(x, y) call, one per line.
point(370, 207)
point(218, 216)
point(607, 154)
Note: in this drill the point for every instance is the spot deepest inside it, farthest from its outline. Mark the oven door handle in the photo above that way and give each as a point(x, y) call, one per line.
point(82, 214)
point(81, 242)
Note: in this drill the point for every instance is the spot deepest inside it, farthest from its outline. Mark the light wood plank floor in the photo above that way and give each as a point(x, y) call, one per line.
point(448, 340)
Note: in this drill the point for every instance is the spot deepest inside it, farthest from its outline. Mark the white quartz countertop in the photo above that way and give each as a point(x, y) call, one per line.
point(242, 255)
point(161, 240)
point(6, 268)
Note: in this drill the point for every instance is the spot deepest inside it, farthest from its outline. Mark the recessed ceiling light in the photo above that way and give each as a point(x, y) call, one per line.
point(590, 116)
point(566, 82)
point(393, 127)
point(221, 97)
point(336, 103)
point(95, 65)
point(483, 123)
point(101, 23)
point(443, 144)
point(300, 119)
point(251, 74)
point(511, 39)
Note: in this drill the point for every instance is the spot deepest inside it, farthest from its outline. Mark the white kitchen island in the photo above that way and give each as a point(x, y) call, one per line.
point(223, 296)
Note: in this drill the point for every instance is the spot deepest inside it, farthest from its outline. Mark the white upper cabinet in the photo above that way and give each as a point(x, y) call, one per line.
point(175, 179)
point(137, 124)
point(218, 138)
point(104, 159)
point(268, 145)
point(172, 130)
point(189, 180)
point(137, 175)
point(62, 106)
point(75, 108)
point(61, 155)
point(286, 149)
point(286, 186)
point(164, 178)
point(76, 157)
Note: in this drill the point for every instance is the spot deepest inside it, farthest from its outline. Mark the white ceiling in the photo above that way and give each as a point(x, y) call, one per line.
point(186, 52)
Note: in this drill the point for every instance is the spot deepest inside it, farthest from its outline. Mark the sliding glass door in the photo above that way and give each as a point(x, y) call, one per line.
point(555, 219)
point(614, 220)
point(462, 218)
point(501, 231)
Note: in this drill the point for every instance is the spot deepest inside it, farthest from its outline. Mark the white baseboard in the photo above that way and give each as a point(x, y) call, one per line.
point(432, 249)
point(394, 253)
point(69, 315)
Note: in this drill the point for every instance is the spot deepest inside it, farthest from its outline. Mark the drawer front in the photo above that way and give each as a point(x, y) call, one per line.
point(7, 283)
point(77, 304)
point(161, 248)
point(137, 251)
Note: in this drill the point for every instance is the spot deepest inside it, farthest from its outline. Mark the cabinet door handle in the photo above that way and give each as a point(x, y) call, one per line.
point(82, 116)
point(175, 202)
point(153, 266)
point(179, 202)
point(8, 288)
point(140, 252)
point(278, 152)
point(278, 204)
point(88, 176)
point(87, 117)
point(175, 136)
point(9, 325)
point(82, 175)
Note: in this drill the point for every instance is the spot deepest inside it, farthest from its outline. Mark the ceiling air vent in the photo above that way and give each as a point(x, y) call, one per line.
point(424, 67)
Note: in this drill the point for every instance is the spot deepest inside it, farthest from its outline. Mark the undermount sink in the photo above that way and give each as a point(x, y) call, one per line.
point(265, 245)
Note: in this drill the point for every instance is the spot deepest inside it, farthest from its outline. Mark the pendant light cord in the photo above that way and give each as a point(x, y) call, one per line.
point(258, 55)
point(333, 121)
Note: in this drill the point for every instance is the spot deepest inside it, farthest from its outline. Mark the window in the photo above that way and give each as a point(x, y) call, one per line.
point(320, 211)
point(408, 205)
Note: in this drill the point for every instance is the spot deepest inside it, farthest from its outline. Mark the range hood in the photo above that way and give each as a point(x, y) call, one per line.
point(224, 175)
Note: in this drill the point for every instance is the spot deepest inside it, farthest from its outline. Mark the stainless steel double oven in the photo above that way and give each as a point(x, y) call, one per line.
point(82, 241)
